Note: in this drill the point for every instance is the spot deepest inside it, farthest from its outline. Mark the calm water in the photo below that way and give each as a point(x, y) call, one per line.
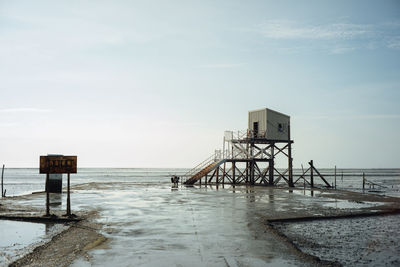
point(27, 180)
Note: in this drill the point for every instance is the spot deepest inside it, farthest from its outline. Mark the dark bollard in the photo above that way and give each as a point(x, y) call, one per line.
point(363, 181)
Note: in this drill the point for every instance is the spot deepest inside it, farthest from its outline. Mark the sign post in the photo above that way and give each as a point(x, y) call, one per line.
point(68, 200)
point(58, 164)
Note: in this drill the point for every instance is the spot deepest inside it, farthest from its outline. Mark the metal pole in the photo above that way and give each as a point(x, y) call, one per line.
point(47, 196)
point(2, 174)
point(68, 198)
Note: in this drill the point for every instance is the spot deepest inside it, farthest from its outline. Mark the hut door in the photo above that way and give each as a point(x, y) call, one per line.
point(255, 128)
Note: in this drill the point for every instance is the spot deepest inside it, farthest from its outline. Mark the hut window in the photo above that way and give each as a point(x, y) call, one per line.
point(280, 127)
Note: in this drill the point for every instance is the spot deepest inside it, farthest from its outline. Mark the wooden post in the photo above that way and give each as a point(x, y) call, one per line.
point(68, 199)
point(363, 181)
point(312, 173)
point(247, 172)
point(304, 178)
point(217, 175)
point(233, 172)
point(2, 188)
point(252, 172)
point(223, 174)
point(47, 196)
point(335, 176)
point(271, 172)
point(271, 166)
point(290, 160)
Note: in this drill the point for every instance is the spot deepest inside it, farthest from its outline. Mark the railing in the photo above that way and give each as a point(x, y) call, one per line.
point(211, 159)
point(232, 136)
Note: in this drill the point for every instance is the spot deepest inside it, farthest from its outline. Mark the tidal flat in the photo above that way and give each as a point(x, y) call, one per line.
point(139, 224)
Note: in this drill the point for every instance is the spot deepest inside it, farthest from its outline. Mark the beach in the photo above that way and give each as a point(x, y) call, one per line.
point(145, 221)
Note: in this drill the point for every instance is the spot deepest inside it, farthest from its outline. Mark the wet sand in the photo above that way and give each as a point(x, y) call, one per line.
point(156, 225)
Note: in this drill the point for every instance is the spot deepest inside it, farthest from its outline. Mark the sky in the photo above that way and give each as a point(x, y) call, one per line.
point(156, 83)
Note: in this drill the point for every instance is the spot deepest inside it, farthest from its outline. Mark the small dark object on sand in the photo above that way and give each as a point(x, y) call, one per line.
point(175, 180)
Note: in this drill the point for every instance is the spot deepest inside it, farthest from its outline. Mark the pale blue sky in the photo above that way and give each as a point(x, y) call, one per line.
point(156, 83)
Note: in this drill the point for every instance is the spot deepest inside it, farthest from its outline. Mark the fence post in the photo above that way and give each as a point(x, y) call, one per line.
point(312, 173)
point(2, 174)
point(335, 176)
point(363, 180)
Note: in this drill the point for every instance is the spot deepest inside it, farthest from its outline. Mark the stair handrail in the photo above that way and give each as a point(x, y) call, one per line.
point(201, 166)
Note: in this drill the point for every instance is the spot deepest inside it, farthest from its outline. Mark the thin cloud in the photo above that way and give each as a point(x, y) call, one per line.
point(394, 43)
point(351, 117)
point(222, 66)
point(336, 38)
point(342, 50)
point(24, 110)
point(286, 29)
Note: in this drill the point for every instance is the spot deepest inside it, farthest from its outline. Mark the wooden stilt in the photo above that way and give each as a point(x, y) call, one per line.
point(68, 197)
point(290, 163)
point(47, 196)
point(233, 172)
point(223, 174)
point(363, 181)
point(2, 188)
point(311, 174)
point(335, 176)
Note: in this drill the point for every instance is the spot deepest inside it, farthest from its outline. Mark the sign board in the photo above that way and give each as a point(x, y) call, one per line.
point(58, 164)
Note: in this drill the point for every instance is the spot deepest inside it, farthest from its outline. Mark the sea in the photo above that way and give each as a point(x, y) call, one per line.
point(21, 181)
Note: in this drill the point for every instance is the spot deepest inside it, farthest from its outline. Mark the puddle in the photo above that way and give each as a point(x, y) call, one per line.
point(345, 204)
point(306, 192)
point(17, 236)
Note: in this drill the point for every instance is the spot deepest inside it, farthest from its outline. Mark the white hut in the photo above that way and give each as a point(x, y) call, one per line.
point(269, 124)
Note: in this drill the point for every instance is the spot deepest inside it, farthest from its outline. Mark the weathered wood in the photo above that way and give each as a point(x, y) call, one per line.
point(363, 180)
point(322, 177)
point(58, 164)
point(217, 175)
point(2, 188)
point(233, 172)
point(47, 196)
point(311, 173)
point(68, 197)
point(335, 176)
point(281, 150)
point(282, 175)
point(290, 163)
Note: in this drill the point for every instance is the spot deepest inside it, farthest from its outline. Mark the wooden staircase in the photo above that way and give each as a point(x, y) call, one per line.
point(203, 172)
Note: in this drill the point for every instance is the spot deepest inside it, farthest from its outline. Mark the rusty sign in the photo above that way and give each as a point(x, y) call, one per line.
point(58, 164)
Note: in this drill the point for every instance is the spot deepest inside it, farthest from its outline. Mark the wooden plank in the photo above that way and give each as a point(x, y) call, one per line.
point(327, 184)
point(58, 164)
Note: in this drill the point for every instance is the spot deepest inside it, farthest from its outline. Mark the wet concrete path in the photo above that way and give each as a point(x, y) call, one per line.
point(162, 226)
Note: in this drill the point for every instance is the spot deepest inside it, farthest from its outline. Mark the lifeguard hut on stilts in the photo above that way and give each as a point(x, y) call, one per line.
point(248, 157)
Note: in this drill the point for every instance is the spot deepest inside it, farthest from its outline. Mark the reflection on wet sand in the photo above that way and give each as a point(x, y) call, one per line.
point(160, 225)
